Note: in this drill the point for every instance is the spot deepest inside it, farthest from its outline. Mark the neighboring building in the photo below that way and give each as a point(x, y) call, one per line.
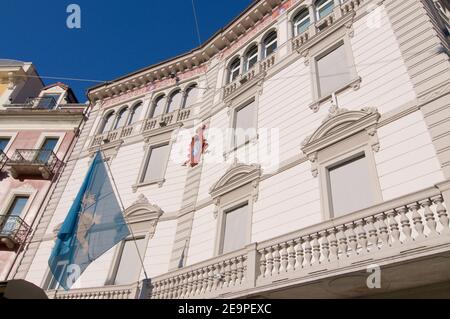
point(354, 99)
point(38, 128)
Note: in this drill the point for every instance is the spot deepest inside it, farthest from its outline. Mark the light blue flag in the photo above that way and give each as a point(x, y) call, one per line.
point(94, 225)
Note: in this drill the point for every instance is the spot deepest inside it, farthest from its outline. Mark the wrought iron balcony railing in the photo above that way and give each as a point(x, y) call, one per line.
point(3, 160)
point(13, 232)
point(34, 162)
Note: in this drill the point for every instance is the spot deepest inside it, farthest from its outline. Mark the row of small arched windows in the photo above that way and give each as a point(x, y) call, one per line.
point(161, 105)
point(300, 23)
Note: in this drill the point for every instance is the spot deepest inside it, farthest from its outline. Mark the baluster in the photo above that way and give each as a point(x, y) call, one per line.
point(362, 235)
point(352, 239)
point(199, 280)
point(325, 246)
point(429, 217)
point(334, 250)
point(222, 275)
point(183, 284)
point(284, 258)
point(404, 221)
point(210, 285)
point(194, 284)
point(291, 256)
point(395, 233)
point(342, 240)
point(417, 221)
point(308, 250)
point(227, 274)
point(372, 231)
point(233, 271)
point(383, 229)
point(442, 214)
point(269, 262)
point(299, 255)
point(189, 287)
point(262, 263)
point(240, 270)
point(216, 277)
point(276, 260)
point(316, 248)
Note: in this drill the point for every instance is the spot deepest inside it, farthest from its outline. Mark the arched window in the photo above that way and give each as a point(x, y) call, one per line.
point(234, 70)
point(270, 43)
point(301, 22)
point(121, 118)
point(190, 96)
point(135, 114)
point(107, 123)
point(251, 57)
point(175, 101)
point(158, 106)
point(323, 8)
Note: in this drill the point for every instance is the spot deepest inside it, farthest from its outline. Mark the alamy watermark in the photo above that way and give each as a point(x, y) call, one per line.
point(74, 19)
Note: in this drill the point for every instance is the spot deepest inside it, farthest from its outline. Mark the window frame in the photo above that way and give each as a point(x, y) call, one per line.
point(45, 135)
point(265, 45)
point(11, 137)
point(126, 111)
point(19, 192)
point(341, 152)
point(186, 93)
point(323, 48)
point(296, 22)
point(151, 143)
point(318, 8)
point(160, 97)
point(234, 145)
point(169, 103)
point(231, 70)
point(249, 57)
point(132, 113)
point(105, 116)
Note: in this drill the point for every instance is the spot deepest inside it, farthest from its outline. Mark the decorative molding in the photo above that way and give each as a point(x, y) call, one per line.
point(142, 211)
point(339, 125)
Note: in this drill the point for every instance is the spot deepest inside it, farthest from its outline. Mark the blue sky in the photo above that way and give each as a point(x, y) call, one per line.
point(116, 37)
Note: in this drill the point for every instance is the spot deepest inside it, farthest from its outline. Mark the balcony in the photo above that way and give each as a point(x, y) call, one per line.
point(110, 292)
point(13, 232)
point(346, 8)
point(252, 76)
point(402, 231)
point(3, 160)
point(45, 103)
point(28, 163)
point(164, 120)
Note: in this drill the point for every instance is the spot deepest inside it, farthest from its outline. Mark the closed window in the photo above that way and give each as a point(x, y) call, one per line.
point(121, 118)
point(350, 186)
point(4, 141)
point(174, 101)
point(47, 148)
point(270, 43)
point(107, 122)
point(158, 106)
point(235, 69)
point(324, 8)
point(135, 114)
point(301, 22)
point(251, 58)
point(129, 262)
point(156, 163)
point(190, 96)
point(10, 222)
point(49, 101)
point(235, 229)
point(334, 71)
point(245, 124)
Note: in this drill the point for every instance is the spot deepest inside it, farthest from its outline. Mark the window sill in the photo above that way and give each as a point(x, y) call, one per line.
point(159, 182)
point(355, 84)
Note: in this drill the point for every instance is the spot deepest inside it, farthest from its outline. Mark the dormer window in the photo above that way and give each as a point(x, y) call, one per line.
point(49, 101)
point(301, 22)
point(235, 69)
point(324, 8)
point(270, 44)
point(251, 58)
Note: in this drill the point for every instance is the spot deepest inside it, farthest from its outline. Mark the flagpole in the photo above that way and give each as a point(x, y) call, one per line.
point(123, 211)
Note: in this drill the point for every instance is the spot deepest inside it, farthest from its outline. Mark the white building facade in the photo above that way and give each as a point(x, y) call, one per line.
point(344, 166)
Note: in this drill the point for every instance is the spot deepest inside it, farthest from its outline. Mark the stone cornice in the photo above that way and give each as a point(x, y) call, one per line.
point(168, 71)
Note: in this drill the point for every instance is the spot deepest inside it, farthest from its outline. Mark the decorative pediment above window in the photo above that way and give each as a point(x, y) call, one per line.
point(143, 215)
point(236, 176)
point(339, 125)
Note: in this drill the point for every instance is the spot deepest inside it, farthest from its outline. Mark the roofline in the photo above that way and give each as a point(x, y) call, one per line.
point(204, 44)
